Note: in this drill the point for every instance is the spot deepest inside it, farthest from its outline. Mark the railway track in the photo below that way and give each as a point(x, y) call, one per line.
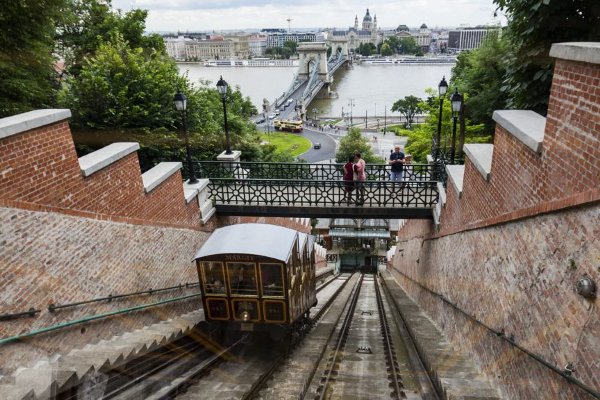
point(355, 349)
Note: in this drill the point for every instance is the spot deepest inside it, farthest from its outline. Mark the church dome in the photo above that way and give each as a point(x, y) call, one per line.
point(367, 16)
point(423, 26)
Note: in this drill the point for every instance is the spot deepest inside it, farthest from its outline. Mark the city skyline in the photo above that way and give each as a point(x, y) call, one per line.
point(209, 15)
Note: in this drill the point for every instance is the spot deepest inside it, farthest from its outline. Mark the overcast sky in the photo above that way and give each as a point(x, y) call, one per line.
point(208, 15)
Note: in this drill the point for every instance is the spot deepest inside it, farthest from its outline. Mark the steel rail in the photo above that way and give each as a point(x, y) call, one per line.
point(258, 385)
point(390, 353)
point(341, 341)
point(110, 297)
point(16, 338)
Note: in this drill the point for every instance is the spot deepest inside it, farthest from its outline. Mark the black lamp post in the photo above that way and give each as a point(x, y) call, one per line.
point(180, 102)
point(222, 87)
point(456, 101)
point(442, 89)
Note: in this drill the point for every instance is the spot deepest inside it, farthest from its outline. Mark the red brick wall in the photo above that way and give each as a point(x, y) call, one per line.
point(50, 258)
point(569, 164)
point(510, 251)
point(40, 167)
point(572, 137)
point(519, 277)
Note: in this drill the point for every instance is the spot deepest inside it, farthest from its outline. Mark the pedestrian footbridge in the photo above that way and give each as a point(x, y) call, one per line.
point(317, 190)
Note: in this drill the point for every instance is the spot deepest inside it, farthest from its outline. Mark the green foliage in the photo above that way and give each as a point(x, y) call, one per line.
point(409, 107)
point(405, 45)
point(279, 52)
point(27, 37)
point(420, 138)
point(533, 25)
point(386, 50)
point(122, 87)
point(366, 49)
point(355, 142)
point(479, 73)
point(292, 45)
point(87, 24)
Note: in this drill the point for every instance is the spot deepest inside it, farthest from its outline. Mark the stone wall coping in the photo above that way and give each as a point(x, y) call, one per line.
point(456, 173)
point(481, 155)
point(99, 159)
point(527, 126)
point(191, 190)
point(16, 124)
point(588, 52)
point(160, 173)
point(442, 192)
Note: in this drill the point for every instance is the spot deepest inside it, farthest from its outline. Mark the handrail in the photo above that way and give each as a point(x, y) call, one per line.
point(110, 297)
point(92, 318)
point(566, 373)
point(29, 313)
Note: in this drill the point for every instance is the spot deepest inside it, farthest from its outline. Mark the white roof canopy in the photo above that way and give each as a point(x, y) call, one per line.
point(263, 240)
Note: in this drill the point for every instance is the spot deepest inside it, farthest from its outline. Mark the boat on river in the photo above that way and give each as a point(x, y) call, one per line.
point(410, 60)
point(255, 62)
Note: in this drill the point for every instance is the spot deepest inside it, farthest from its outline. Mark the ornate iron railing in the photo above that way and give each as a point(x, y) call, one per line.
point(308, 192)
point(315, 172)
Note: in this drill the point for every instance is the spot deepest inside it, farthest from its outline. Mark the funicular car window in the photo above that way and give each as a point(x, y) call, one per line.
point(214, 277)
point(272, 279)
point(242, 278)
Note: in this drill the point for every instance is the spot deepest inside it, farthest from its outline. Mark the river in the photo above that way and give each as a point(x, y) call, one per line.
point(370, 88)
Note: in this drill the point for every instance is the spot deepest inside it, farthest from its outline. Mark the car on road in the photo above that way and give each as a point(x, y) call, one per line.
point(272, 116)
point(276, 112)
point(317, 146)
point(260, 121)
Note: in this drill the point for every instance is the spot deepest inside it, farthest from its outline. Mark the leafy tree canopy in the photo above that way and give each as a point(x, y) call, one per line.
point(479, 73)
point(354, 142)
point(292, 45)
point(27, 37)
point(532, 28)
point(89, 23)
point(366, 49)
point(409, 107)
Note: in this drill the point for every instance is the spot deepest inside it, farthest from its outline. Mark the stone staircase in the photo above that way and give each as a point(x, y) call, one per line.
point(45, 378)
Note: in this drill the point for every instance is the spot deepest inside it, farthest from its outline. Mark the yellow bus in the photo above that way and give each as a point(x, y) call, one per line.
point(288, 125)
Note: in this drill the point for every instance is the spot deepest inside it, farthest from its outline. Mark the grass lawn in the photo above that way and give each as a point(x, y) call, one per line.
point(287, 142)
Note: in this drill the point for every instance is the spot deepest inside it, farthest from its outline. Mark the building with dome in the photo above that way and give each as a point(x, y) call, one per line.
point(355, 36)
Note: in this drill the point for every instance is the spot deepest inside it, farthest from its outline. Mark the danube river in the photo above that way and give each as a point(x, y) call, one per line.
point(370, 88)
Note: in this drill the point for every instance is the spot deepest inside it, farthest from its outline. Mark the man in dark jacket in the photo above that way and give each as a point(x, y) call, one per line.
point(397, 162)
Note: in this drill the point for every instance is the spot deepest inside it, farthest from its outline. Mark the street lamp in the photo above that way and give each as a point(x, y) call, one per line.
point(456, 100)
point(222, 87)
point(442, 89)
point(180, 102)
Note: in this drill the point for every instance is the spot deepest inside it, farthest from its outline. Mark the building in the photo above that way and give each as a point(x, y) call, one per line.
point(369, 32)
point(469, 38)
point(232, 47)
point(257, 44)
point(423, 37)
point(277, 39)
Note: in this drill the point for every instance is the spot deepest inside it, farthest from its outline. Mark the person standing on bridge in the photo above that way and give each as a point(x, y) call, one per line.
point(397, 160)
point(360, 176)
point(349, 179)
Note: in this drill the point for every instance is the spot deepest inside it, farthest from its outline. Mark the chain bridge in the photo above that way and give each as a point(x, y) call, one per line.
point(317, 190)
point(315, 71)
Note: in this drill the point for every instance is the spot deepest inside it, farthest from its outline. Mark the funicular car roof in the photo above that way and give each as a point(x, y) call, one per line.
point(263, 240)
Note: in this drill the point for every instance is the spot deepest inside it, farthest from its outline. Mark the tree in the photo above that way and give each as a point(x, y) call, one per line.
point(386, 50)
point(409, 107)
point(407, 45)
point(533, 25)
point(27, 37)
point(479, 73)
point(89, 23)
point(366, 49)
point(122, 87)
point(355, 142)
point(292, 45)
